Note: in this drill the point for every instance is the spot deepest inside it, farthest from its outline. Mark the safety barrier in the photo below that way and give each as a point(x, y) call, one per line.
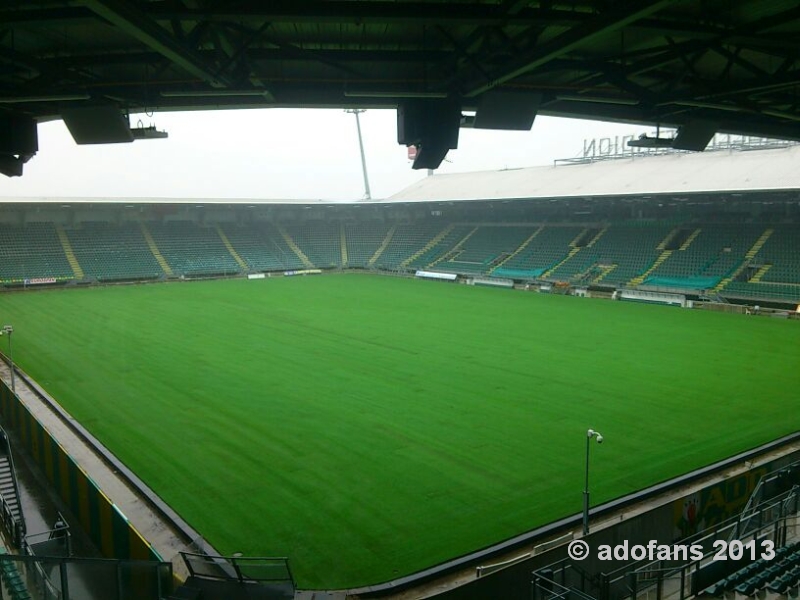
point(103, 522)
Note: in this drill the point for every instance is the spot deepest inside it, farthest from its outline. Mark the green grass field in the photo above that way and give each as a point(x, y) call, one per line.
point(368, 427)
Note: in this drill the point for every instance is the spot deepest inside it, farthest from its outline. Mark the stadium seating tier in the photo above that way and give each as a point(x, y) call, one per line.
point(744, 261)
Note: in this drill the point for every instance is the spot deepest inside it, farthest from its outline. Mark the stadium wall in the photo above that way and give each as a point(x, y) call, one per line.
point(102, 521)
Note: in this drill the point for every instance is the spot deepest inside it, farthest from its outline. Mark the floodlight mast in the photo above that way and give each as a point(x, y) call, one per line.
point(356, 112)
point(8, 330)
point(591, 433)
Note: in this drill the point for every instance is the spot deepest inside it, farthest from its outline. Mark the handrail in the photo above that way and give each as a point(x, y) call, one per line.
point(754, 502)
point(706, 535)
point(780, 501)
point(556, 590)
point(647, 572)
point(230, 567)
point(7, 447)
point(10, 523)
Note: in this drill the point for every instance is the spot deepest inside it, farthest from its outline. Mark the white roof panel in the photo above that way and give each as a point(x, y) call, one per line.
point(719, 171)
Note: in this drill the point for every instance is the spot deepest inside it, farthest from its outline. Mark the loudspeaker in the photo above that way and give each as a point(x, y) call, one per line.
point(97, 124)
point(10, 166)
point(694, 135)
point(432, 126)
point(19, 141)
point(502, 109)
point(18, 135)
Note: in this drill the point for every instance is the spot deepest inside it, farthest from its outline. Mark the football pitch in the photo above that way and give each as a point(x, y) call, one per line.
point(368, 427)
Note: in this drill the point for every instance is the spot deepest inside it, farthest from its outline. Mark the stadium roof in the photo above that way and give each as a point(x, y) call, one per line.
point(718, 172)
point(677, 173)
point(718, 65)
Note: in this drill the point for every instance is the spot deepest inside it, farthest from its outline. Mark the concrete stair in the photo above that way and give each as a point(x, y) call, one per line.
point(600, 233)
point(8, 488)
point(665, 242)
point(574, 250)
point(151, 243)
point(382, 247)
point(521, 247)
point(750, 255)
point(455, 251)
point(295, 248)
point(571, 253)
point(231, 249)
point(692, 237)
point(436, 239)
point(657, 263)
point(343, 245)
point(68, 252)
point(604, 274)
point(760, 273)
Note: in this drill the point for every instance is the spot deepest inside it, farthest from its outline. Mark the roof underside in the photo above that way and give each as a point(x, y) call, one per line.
point(733, 63)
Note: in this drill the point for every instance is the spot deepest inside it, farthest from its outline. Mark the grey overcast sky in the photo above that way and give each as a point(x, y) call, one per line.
point(277, 154)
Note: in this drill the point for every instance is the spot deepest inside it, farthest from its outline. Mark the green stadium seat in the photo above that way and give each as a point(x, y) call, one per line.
point(192, 250)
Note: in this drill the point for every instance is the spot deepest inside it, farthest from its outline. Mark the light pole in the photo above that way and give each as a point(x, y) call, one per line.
point(356, 112)
point(589, 435)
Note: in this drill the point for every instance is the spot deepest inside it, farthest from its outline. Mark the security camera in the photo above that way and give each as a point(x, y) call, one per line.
point(599, 439)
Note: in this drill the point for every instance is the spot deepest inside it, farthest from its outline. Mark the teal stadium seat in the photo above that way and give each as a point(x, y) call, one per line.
point(484, 249)
point(111, 252)
point(262, 247)
point(32, 251)
point(192, 250)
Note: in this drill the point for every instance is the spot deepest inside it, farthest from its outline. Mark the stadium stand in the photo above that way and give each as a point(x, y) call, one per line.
point(261, 247)
point(363, 241)
point(319, 241)
point(545, 251)
point(191, 250)
point(710, 253)
point(408, 238)
point(110, 252)
point(622, 252)
point(740, 261)
point(32, 251)
point(782, 253)
point(777, 575)
point(484, 249)
point(444, 242)
point(773, 272)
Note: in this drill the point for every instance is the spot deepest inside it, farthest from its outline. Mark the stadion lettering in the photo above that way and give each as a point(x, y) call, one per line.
point(618, 144)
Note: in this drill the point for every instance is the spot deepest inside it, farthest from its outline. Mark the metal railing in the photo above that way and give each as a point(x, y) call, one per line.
point(11, 525)
point(68, 578)
point(677, 578)
point(14, 526)
point(240, 569)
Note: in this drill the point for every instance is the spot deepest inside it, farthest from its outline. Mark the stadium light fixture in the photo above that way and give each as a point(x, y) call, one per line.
point(8, 330)
point(54, 98)
point(599, 99)
point(591, 433)
point(393, 94)
point(266, 94)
